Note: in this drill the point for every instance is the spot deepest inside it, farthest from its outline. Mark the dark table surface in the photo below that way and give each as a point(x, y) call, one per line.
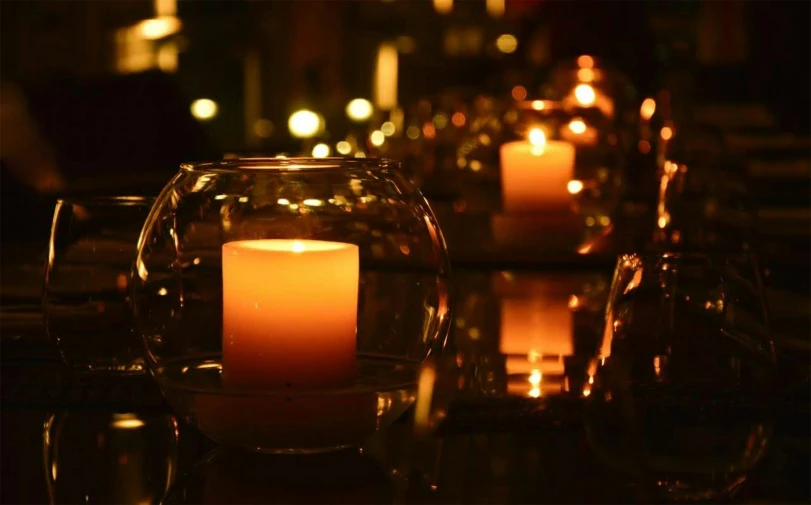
point(70, 440)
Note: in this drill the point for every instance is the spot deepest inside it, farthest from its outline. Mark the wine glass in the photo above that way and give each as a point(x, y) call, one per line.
point(681, 385)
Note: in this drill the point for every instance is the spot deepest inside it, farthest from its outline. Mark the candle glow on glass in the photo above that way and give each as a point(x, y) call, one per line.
point(271, 289)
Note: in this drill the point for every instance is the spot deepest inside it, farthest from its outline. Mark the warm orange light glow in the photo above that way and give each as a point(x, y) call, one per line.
point(585, 61)
point(666, 133)
point(359, 109)
point(577, 126)
point(204, 109)
point(425, 393)
point(574, 302)
point(165, 7)
point(496, 8)
point(158, 28)
point(388, 128)
point(644, 146)
point(126, 422)
point(662, 221)
point(585, 75)
point(377, 138)
point(321, 151)
point(458, 119)
point(574, 187)
point(167, 57)
point(636, 280)
point(343, 147)
point(507, 43)
point(585, 94)
point(519, 93)
point(647, 109)
point(304, 123)
point(537, 137)
point(386, 77)
point(443, 6)
point(428, 130)
point(531, 328)
point(538, 104)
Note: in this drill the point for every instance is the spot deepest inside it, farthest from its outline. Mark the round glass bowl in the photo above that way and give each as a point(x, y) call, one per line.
point(286, 304)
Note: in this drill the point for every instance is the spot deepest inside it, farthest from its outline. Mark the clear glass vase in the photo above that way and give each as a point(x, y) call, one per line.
point(286, 304)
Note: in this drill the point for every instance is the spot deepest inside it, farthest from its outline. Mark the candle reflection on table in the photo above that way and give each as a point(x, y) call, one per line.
point(536, 333)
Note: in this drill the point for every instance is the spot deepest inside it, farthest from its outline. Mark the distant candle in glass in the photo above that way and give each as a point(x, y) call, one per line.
point(535, 173)
point(289, 314)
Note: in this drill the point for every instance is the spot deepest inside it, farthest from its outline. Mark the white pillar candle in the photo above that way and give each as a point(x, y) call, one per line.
point(535, 174)
point(289, 314)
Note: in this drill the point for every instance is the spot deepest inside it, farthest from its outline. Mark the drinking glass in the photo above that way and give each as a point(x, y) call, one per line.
point(85, 302)
point(681, 383)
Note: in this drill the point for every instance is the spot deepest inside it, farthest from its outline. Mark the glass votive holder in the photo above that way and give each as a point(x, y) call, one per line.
point(86, 294)
point(286, 304)
point(550, 191)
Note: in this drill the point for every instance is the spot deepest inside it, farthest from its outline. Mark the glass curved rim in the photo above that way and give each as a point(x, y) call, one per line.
point(686, 255)
point(106, 200)
point(292, 165)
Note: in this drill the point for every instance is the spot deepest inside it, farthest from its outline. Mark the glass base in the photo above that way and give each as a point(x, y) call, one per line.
point(302, 451)
point(285, 421)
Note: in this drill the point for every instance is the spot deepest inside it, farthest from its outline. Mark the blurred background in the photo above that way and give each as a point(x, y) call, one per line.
point(108, 97)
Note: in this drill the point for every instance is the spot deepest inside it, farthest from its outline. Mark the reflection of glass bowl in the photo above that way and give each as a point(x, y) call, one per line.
point(225, 476)
point(94, 456)
point(525, 345)
point(304, 366)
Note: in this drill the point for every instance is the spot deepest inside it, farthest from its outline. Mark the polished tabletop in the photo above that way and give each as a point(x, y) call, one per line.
point(71, 439)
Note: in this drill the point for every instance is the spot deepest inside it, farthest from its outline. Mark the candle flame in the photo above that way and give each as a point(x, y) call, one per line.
point(297, 247)
point(537, 138)
point(538, 104)
point(585, 94)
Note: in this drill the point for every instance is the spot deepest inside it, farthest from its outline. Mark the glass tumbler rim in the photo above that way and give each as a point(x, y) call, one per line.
point(106, 200)
point(291, 165)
